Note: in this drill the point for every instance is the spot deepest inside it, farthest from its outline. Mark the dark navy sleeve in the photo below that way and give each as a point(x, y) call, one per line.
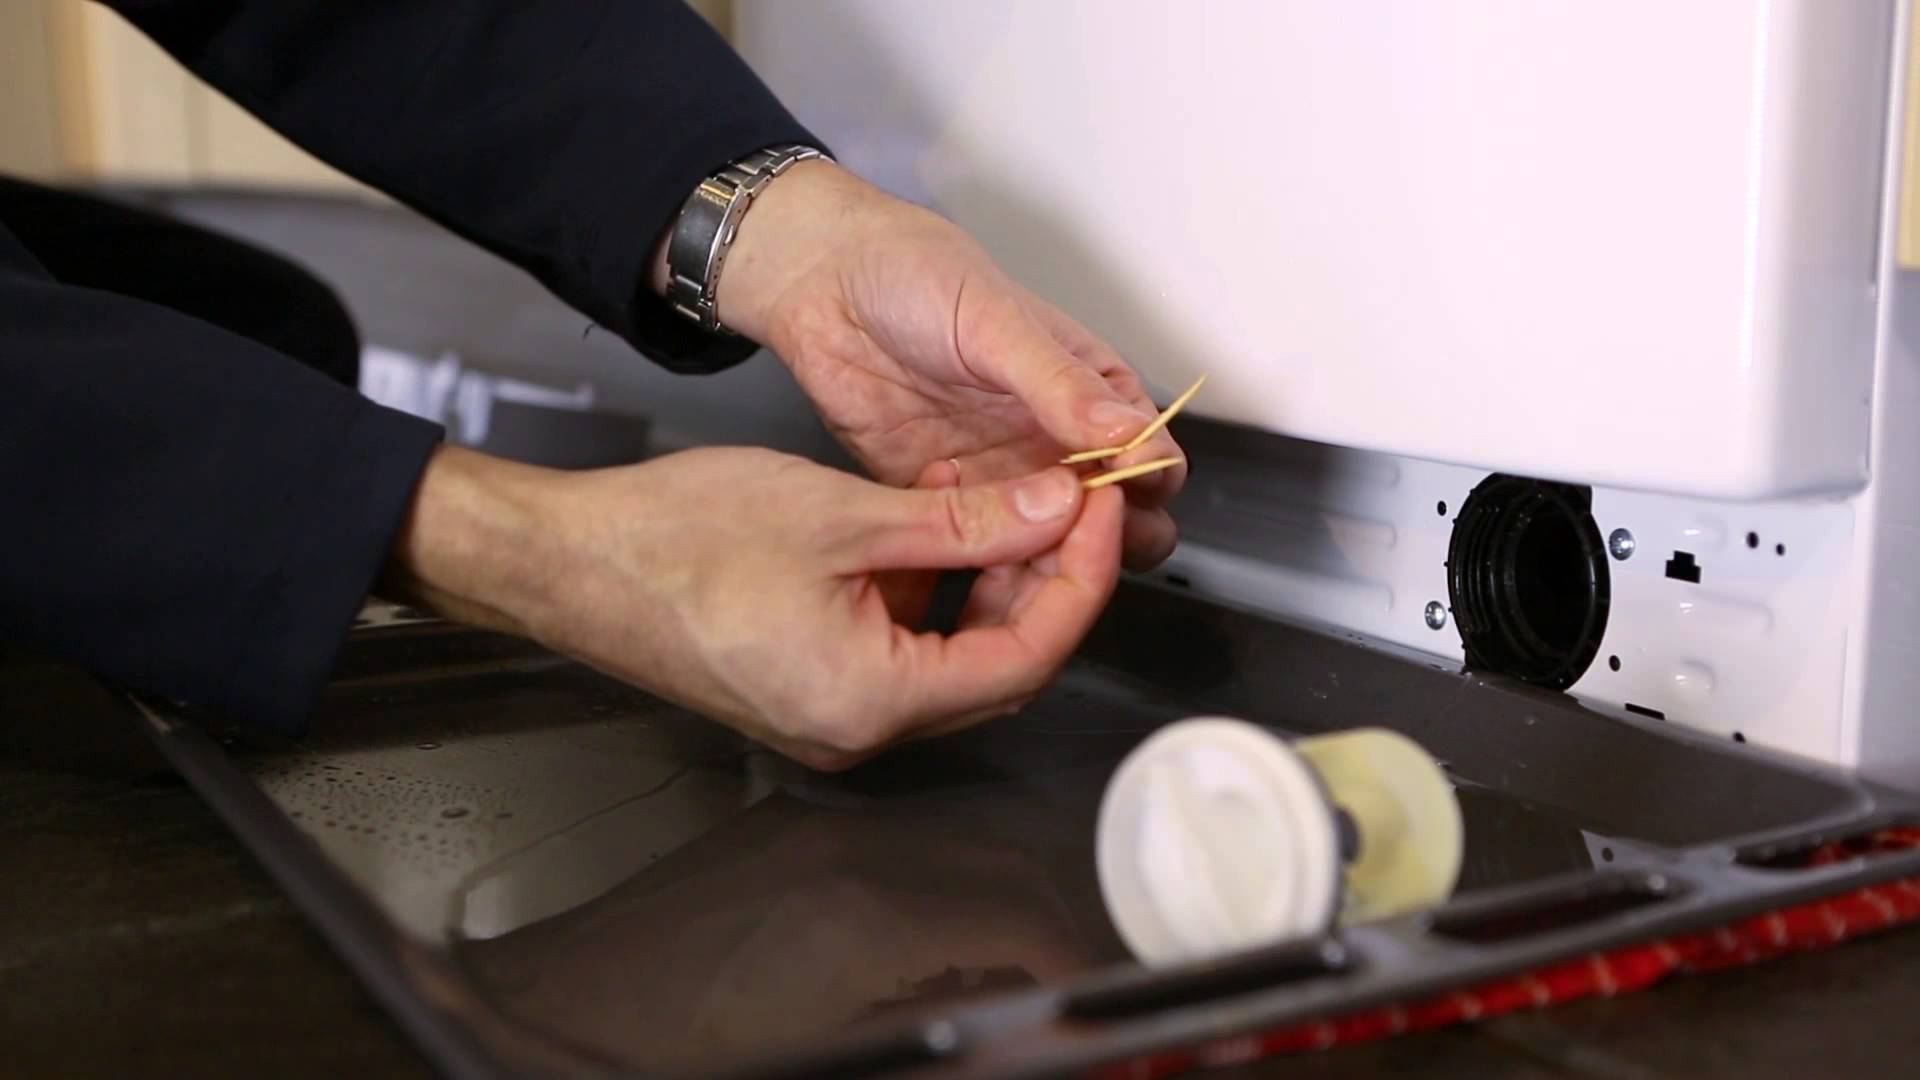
point(186, 511)
point(563, 136)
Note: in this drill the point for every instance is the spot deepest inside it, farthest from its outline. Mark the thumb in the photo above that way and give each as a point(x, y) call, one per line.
point(952, 528)
point(1073, 402)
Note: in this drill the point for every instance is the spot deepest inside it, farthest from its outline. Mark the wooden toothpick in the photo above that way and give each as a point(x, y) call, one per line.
point(1146, 433)
point(1166, 415)
point(1100, 480)
point(1093, 455)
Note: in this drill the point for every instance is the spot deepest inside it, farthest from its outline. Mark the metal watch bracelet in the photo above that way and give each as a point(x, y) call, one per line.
point(704, 231)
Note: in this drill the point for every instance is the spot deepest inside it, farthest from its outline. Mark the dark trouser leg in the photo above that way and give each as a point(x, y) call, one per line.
point(97, 244)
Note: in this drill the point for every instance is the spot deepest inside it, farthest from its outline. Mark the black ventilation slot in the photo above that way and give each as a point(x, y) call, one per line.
point(1642, 710)
point(1590, 901)
point(1824, 849)
point(1143, 990)
point(888, 1052)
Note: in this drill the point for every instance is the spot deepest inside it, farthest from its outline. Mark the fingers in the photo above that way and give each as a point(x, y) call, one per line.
point(1149, 534)
point(991, 599)
point(1158, 489)
point(1013, 352)
point(1001, 591)
point(908, 594)
point(986, 668)
point(940, 474)
point(946, 528)
point(1084, 396)
point(1148, 539)
point(1155, 489)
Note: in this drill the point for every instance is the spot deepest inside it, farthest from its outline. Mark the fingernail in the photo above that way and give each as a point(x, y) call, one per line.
point(1113, 417)
point(1047, 496)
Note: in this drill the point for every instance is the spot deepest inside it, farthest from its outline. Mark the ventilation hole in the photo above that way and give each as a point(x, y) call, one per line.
point(1441, 507)
point(1682, 567)
point(1737, 737)
point(1642, 710)
point(1606, 854)
point(1613, 662)
point(1753, 540)
point(1779, 549)
point(1180, 580)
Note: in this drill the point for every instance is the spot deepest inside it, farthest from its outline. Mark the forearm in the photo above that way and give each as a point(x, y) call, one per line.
point(473, 547)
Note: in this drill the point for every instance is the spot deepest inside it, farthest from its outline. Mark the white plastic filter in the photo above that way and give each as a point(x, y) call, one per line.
point(1214, 836)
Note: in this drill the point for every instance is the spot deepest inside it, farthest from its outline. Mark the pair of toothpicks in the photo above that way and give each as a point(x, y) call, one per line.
point(1117, 475)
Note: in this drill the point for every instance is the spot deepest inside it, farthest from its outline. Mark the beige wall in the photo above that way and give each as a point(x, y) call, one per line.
point(83, 96)
point(29, 128)
point(717, 12)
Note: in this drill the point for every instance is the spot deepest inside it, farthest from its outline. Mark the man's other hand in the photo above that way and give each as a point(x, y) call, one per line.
point(753, 587)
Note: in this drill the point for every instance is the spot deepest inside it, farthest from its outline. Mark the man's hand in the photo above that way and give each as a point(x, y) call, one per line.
point(744, 584)
point(927, 361)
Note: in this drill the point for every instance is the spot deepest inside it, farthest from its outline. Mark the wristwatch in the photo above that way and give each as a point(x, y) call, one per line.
point(704, 232)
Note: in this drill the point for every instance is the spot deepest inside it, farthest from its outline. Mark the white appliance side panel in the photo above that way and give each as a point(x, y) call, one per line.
point(1627, 243)
point(1357, 541)
point(1883, 702)
point(1879, 724)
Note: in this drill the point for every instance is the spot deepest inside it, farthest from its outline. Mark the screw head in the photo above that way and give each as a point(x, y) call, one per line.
point(1436, 615)
point(1621, 544)
point(941, 1036)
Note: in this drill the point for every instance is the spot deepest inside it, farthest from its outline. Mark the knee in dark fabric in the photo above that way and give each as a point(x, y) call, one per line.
point(95, 243)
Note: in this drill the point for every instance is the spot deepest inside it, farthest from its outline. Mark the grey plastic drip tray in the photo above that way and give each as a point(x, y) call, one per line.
point(540, 870)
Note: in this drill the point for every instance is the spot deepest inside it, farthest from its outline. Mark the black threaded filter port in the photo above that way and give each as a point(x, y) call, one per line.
point(1527, 579)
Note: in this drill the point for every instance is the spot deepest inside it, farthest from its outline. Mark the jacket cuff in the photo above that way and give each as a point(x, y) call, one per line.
point(297, 621)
